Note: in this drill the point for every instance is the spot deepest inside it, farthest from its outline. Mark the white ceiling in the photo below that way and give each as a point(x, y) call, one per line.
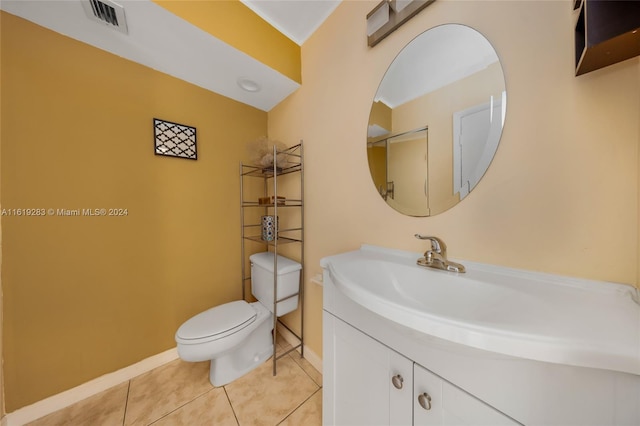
point(297, 19)
point(434, 59)
point(162, 41)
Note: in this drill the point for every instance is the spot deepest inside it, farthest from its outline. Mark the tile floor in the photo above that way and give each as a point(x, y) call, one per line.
point(179, 393)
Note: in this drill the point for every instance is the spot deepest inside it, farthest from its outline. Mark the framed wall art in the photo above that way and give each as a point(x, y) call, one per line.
point(174, 140)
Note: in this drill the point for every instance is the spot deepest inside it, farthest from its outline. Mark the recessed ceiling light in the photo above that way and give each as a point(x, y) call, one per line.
point(248, 84)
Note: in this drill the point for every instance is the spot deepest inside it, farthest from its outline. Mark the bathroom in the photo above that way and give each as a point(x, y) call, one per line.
point(561, 195)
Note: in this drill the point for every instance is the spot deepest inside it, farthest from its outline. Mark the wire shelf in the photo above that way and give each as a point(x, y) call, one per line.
point(293, 163)
point(281, 240)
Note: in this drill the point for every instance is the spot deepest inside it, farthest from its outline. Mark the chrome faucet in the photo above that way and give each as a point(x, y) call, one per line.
point(436, 256)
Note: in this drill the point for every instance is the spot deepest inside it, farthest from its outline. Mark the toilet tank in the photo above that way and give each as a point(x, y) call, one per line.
point(288, 281)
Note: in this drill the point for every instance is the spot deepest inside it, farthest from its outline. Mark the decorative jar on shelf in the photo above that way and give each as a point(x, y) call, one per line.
point(269, 227)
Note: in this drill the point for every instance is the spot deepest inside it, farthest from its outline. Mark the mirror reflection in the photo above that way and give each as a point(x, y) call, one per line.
point(436, 120)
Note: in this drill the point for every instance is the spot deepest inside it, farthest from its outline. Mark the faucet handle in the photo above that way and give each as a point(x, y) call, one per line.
point(437, 245)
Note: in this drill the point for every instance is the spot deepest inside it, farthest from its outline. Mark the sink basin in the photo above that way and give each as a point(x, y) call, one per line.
point(519, 313)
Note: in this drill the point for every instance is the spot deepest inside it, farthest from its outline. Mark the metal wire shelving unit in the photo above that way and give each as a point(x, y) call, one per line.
point(293, 162)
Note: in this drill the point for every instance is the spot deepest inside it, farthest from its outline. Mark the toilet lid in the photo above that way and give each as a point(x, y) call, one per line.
point(218, 322)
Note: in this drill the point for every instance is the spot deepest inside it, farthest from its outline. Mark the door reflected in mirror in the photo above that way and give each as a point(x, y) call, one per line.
point(436, 120)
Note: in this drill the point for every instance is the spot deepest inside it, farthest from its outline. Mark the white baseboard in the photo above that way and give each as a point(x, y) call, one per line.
point(64, 399)
point(309, 355)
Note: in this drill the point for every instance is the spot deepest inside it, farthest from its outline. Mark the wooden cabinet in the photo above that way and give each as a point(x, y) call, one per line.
point(368, 383)
point(606, 32)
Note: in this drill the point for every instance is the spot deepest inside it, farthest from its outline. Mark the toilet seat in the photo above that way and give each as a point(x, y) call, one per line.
point(216, 323)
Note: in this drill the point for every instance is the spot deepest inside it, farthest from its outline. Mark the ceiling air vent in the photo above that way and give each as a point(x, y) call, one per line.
point(107, 12)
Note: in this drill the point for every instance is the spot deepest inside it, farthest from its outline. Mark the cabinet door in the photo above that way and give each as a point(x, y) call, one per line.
point(363, 389)
point(427, 397)
point(450, 405)
point(400, 380)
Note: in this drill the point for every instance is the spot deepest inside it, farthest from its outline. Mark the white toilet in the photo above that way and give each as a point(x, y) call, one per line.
point(236, 336)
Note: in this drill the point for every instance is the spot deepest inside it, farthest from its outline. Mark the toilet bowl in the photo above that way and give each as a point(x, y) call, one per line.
point(236, 336)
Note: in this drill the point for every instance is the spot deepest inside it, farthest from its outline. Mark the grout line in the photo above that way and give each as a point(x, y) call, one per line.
point(304, 369)
point(301, 404)
point(182, 406)
point(231, 405)
point(126, 403)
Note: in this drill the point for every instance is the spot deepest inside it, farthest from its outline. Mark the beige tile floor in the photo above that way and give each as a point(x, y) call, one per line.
point(179, 393)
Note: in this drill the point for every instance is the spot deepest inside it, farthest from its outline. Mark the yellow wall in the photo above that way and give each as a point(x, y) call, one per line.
point(381, 115)
point(86, 296)
point(237, 25)
point(561, 194)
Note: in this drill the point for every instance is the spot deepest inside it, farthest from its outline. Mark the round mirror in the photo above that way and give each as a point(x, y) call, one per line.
point(436, 120)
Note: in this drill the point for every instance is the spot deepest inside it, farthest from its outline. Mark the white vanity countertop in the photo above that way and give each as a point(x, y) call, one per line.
point(525, 314)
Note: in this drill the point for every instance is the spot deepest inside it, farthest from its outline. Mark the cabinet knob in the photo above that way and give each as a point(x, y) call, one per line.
point(397, 381)
point(425, 401)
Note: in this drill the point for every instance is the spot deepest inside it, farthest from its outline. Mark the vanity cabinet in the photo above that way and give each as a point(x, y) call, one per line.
point(371, 384)
point(371, 333)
